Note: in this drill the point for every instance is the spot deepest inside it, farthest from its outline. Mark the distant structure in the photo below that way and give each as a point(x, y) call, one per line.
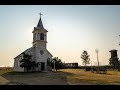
point(39, 51)
point(71, 65)
point(113, 53)
point(114, 57)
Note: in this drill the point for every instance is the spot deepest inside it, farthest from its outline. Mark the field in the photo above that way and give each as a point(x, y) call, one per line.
point(81, 77)
point(61, 77)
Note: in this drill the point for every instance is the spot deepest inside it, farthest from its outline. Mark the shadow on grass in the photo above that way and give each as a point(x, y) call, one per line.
point(20, 73)
point(18, 78)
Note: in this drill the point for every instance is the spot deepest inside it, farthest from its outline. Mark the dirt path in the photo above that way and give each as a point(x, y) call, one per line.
point(3, 80)
point(41, 78)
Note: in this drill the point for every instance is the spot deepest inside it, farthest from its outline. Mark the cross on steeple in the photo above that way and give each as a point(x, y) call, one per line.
point(40, 14)
point(40, 25)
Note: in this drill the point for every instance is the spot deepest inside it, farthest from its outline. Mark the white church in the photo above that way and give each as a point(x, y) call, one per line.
point(39, 51)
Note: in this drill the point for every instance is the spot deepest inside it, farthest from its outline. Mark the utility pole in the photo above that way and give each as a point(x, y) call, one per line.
point(96, 50)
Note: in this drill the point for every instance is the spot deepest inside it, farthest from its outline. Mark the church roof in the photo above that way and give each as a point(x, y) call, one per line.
point(113, 50)
point(29, 50)
point(40, 25)
point(26, 51)
point(49, 53)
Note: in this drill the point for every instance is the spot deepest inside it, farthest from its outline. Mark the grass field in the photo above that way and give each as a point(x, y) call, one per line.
point(61, 77)
point(79, 75)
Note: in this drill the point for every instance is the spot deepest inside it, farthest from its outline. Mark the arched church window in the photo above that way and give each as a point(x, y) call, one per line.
point(18, 63)
point(34, 37)
point(48, 62)
point(41, 36)
point(41, 52)
point(38, 36)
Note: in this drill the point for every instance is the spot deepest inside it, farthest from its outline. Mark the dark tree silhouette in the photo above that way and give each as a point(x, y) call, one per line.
point(27, 64)
point(114, 61)
point(85, 57)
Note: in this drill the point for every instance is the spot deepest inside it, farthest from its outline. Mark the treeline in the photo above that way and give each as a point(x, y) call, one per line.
point(6, 68)
point(106, 66)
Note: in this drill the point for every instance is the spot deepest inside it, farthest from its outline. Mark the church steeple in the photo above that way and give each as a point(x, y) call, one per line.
point(40, 25)
point(40, 35)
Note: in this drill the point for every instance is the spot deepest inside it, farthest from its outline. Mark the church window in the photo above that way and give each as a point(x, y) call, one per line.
point(41, 52)
point(41, 36)
point(15, 64)
point(18, 63)
point(38, 36)
point(48, 62)
point(34, 37)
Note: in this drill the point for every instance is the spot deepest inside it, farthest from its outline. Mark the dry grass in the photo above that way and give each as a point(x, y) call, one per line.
point(2, 71)
point(79, 75)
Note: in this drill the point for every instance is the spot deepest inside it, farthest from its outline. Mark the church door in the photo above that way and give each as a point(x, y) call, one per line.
point(42, 66)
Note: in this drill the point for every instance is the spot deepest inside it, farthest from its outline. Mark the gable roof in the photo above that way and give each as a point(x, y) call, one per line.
point(49, 52)
point(26, 51)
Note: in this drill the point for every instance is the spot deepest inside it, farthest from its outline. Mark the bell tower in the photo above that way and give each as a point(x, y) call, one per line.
point(39, 41)
point(39, 35)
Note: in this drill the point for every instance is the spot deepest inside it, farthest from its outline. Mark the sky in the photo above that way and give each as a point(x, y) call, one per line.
point(71, 29)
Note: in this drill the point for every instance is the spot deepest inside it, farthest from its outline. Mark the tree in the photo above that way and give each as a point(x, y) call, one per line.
point(114, 61)
point(33, 65)
point(110, 61)
point(27, 64)
point(85, 57)
point(56, 63)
